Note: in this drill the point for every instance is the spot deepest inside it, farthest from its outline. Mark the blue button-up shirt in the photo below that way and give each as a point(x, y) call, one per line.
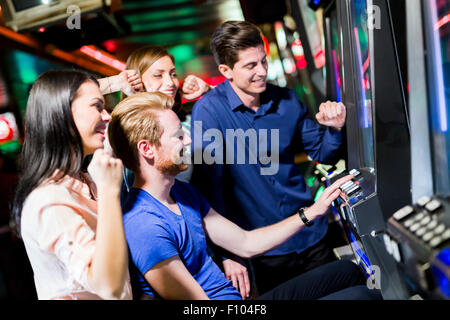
point(241, 190)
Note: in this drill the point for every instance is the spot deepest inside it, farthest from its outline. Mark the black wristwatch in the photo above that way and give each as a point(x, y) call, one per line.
point(305, 220)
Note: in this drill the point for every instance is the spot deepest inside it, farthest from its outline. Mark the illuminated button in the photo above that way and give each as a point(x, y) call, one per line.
point(426, 220)
point(349, 187)
point(354, 172)
point(421, 231)
point(395, 251)
point(348, 183)
point(432, 224)
point(433, 205)
point(435, 241)
point(408, 223)
point(353, 190)
point(415, 227)
point(419, 217)
point(423, 201)
point(403, 212)
point(446, 235)
point(439, 229)
point(427, 236)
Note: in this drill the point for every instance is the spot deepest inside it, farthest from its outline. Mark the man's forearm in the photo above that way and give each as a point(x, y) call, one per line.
point(262, 240)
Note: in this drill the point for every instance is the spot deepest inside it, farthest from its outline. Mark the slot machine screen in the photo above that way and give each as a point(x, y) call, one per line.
point(314, 32)
point(440, 98)
point(336, 56)
point(362, 66)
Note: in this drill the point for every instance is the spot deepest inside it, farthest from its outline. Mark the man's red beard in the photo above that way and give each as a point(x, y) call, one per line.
point(168, 167)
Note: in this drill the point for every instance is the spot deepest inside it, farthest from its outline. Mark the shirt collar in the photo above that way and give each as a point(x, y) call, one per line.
point(232, 97)
point(267, 99)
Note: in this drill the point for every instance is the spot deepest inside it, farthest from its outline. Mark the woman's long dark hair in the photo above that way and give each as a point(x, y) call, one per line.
point(51, 140)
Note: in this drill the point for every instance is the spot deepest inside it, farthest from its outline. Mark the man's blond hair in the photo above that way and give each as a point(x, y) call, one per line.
point(135, 119)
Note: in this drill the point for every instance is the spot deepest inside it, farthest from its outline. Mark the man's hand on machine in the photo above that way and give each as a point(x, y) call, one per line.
point(331, 114)
point(321, 206)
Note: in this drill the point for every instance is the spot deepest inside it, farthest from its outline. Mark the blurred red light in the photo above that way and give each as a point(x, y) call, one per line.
point(6, 132)
point(110, 45)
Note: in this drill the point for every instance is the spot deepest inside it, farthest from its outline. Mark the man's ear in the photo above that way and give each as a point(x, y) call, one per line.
point(226, 71)
point(146, 149)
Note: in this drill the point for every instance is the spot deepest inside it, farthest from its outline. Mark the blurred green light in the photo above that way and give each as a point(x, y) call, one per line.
point(310, 181)
point(26, 65)
point(11, 147)
point(161, 15)
point(151, 4)
point(319, 193)
point(182, 52)
point(166, 37)
point(164, 24)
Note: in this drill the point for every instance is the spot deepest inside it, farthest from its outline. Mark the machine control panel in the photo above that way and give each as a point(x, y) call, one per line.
point(352, 187)
point(424, 222)
point(418, 237)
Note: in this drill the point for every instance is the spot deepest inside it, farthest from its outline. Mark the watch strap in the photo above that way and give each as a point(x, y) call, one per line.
point(301, 213)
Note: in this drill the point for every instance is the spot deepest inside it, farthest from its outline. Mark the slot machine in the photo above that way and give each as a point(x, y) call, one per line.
point(363, 72)
point(418, 234)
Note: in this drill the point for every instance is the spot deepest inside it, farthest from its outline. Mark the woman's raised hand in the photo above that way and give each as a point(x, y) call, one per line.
point(194, 87)
point(106, 171)
point(130, 82)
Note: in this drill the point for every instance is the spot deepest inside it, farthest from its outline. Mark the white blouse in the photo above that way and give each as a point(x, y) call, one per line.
point(58, 229)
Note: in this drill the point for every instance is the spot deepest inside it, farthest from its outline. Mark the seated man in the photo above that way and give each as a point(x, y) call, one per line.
point(166, 221)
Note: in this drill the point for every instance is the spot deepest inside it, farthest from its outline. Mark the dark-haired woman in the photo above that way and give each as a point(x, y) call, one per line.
point(70, 220)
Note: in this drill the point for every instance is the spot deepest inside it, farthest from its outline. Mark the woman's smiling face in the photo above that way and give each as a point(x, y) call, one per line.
point(90, 116)
point(161, 76)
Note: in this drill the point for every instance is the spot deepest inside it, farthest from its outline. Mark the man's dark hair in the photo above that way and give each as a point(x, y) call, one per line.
point(231, 37)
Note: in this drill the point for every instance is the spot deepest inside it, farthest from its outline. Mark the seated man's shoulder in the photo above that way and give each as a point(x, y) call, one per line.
point(190, 196)
point(185, 188)
point(137, 207)
point(145, 221)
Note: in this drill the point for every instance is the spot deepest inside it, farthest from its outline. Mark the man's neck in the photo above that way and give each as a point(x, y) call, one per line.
point(251, 100)
point(155, 183)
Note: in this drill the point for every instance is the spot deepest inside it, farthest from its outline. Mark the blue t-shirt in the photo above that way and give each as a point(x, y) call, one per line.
point(154, 233)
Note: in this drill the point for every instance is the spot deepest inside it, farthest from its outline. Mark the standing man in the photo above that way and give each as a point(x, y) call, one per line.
point(241, 191)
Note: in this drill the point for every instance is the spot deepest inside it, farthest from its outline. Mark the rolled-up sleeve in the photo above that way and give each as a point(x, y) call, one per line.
point(320, 143)
point(66, 234)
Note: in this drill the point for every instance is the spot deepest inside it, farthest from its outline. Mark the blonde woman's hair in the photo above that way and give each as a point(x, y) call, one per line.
point(142, 58)
point(135, 119)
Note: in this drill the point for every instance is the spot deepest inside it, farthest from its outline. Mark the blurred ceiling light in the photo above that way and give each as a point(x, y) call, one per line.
point(231, 10)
